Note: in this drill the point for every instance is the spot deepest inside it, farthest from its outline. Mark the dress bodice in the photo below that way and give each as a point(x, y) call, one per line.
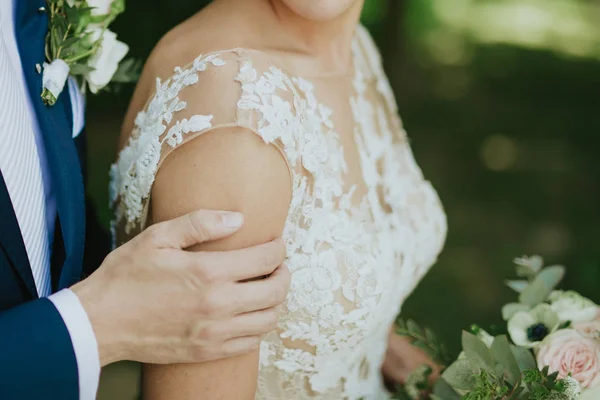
point(363, 225)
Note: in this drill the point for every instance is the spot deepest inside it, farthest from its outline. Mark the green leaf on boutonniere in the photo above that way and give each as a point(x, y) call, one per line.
point(84, 19)
point(80, 69)
point(128, 71)
point(74, 37)
point(69, 42)
point(117, 7)
point(477, 353)
point(73, 14)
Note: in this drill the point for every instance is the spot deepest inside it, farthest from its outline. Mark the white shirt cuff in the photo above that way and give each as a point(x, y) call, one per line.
point(84, 341)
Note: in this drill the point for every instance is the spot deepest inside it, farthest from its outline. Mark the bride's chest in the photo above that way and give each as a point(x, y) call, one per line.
point(361, 216)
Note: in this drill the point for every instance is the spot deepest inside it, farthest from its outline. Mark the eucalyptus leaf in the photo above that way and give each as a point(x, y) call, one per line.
point(535, 293)
point(525, 271)
point(477, 353)
point(524, 358)
point(459, 376)
point(503, 355)
point(510, 309)
point(528, 266)
point(444, 391)
point(500, 372)
point(541, 287)
point(517, 286)
point(552, 275)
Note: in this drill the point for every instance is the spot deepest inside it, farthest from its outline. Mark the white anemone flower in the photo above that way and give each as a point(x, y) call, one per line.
point(529, 328)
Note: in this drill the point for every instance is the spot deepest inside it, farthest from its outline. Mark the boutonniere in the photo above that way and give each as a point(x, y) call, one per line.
point(79, 44)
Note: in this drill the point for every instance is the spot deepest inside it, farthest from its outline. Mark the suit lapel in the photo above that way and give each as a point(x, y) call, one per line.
point(31, 28)
point(12, 241)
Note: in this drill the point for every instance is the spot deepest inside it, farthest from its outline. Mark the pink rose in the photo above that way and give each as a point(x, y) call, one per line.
point(567, 351)
point(590, 329)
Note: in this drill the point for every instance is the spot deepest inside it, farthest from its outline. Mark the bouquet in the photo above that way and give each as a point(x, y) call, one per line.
point(551, 352)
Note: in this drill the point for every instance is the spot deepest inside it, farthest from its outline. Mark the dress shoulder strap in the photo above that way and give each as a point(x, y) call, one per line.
point(231, 88)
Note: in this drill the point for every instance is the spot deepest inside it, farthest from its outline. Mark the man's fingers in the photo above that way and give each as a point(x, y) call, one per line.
point(240, 265)
point(242, 345)
point(252, 323)
point(261, 294)
point(194, 228)
point(282, 276)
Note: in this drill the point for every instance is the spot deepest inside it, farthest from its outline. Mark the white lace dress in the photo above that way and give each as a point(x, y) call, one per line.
point(363, 226)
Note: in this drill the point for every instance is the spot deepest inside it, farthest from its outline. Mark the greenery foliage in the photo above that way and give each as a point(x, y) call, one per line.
point(70, 39)
point(493, 368)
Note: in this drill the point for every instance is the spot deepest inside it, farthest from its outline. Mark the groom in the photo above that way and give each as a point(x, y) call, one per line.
point(149, 301)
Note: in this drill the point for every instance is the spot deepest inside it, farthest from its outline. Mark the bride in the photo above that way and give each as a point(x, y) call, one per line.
point(280, 109)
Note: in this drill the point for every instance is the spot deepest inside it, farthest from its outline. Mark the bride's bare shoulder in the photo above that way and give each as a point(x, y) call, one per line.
point(215, 28)
point(208, 31)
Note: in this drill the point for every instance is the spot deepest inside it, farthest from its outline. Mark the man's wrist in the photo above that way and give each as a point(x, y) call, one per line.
point(93, 304)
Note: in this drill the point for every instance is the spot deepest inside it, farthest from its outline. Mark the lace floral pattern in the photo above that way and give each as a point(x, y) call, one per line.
point(132, 176)
point(353, 260)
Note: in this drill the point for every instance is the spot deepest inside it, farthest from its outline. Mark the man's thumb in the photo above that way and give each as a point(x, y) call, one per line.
point(195, 228)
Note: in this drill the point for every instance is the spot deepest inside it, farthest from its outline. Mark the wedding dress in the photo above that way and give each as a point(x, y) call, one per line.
point(363, 224)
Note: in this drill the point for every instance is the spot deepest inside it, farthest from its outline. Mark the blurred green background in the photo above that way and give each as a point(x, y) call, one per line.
point(501, 100)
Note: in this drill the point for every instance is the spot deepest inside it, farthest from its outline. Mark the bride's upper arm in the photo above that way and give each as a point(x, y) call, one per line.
point(227, 169)
point(224, 167)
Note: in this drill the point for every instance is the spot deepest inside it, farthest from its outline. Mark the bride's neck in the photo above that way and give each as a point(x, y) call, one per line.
point(327, 40)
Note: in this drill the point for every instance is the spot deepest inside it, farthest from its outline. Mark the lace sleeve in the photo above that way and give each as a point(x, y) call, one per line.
point(209, 94)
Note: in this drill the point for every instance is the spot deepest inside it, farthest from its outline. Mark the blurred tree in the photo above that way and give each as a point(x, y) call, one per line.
point(394, 36)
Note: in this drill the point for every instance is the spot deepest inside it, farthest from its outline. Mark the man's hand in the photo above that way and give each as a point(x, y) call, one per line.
point(151, 301)
point(402, 358)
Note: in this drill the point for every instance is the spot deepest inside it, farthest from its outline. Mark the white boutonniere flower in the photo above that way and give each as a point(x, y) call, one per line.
point(79, 44)
point(106, 60)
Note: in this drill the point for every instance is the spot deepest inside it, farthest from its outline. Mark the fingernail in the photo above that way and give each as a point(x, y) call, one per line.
point(232, 220)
